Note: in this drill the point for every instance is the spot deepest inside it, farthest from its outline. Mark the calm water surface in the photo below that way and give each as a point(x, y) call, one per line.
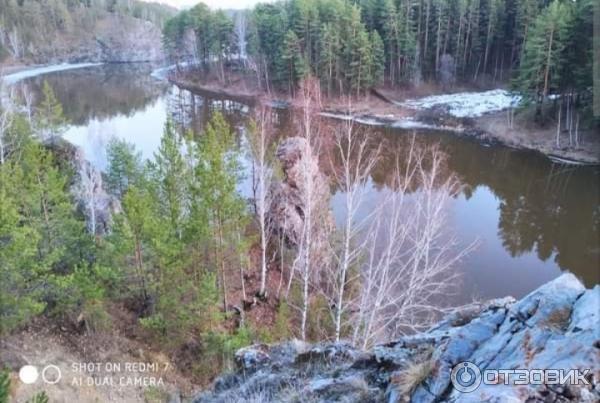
point(533, 218)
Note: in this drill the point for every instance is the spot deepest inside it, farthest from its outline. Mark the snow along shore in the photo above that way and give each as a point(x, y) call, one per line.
point(162, 73)
point(403, 123)
point(38, 71)
point(466, 104)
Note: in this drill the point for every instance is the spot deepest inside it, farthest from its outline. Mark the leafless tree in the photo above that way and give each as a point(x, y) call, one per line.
point(558, 125)
point(89, 191)
point(409, 258)
point(308, 131)
point(447, 68)
point(260, 141)
point(310, 251)
point(28, 100)
point(355, 164)
point(6, 116)
point(241, 25)
point(15, 43)
point(5, 120)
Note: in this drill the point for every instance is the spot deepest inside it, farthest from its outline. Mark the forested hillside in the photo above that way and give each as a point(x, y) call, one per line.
point(159, 237)
point(79, 30)
point(539, 47)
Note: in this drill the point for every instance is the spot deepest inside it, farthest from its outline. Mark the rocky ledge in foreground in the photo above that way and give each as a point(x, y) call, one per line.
point(555, 327)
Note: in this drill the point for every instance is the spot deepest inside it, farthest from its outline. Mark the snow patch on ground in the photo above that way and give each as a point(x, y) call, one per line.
point(410, 123)
point(162, 73)
point(559, 160)
point(466, 104)
point(21, 75)
point(365, 120)
point(278, 104)
point(407, 123)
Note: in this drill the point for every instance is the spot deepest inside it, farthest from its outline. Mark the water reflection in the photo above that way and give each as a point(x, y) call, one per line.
point(533, 218)
point(191, 111)
point(547, 209)
point(101, 92)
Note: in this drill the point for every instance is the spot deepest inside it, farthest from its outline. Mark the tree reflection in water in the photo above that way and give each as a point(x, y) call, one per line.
point(536, 216)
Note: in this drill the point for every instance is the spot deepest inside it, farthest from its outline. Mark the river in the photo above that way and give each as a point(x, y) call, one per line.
point(532, 218)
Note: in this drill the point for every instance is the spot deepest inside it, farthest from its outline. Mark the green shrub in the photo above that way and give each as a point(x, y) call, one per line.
point(4, 386)
point(41, 397)
point(155, 323)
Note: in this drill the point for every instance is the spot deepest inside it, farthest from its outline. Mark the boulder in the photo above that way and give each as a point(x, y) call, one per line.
point(555, 327)
point(303, 182)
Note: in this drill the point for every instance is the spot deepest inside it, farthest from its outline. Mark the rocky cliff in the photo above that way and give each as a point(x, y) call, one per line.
point(112, 39)
point(303, 183)
point(554, 328)
point(50, 32)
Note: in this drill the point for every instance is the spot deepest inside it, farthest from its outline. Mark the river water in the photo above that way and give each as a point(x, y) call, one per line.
point(532, 218)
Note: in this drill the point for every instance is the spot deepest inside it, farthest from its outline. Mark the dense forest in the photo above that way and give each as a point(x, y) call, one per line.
point(202, 270)
point(175, 226)
point(26, 26)
point(540, 47)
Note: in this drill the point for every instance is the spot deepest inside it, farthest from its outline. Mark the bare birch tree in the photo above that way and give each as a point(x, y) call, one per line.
point(6, 116)
point(260, 141)
point(356, 162)
point(305, 250)
point(409, 257)
point(28, 100)
point(15, 43)
point(88, 192)
point(5, 121)
point(310, 248)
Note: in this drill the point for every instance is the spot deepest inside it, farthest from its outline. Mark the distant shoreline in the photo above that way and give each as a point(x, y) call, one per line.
point(380, 110)
point(19, 73)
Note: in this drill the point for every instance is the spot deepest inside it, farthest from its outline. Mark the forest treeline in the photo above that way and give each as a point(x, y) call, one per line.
point(201, 269)
point(541, 47)
point(175, 226)
point(27, 25)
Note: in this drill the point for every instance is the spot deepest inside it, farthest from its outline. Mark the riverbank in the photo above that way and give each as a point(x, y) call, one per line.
point(14, 74)
point(484, 118)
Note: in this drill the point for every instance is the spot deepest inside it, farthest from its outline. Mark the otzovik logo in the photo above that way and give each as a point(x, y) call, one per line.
point(467, 377)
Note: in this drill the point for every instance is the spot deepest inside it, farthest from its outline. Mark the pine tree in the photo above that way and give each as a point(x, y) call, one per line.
point(221, 39)
point(330, 49)
point(140, 221)
point(45, 237)
point(357, 52)
point(391, 37)
point(50, 119)
point(378, 59)
point(170, 173)
point(124, 166)
point(294, 60)
point(216, 175)
point(540, 67)
point(20, 265)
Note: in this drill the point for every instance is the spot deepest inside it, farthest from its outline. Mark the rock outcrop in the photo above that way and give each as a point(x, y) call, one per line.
point(94, 202)
point(555, 327)
point(112, 39)
point(303, 182)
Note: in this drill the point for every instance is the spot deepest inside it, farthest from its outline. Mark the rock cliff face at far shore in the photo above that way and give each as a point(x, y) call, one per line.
point(556, 327)
point(111, 39)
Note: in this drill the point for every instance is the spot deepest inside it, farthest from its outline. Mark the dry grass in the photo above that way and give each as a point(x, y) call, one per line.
point(412, 376)
point(558, 319)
